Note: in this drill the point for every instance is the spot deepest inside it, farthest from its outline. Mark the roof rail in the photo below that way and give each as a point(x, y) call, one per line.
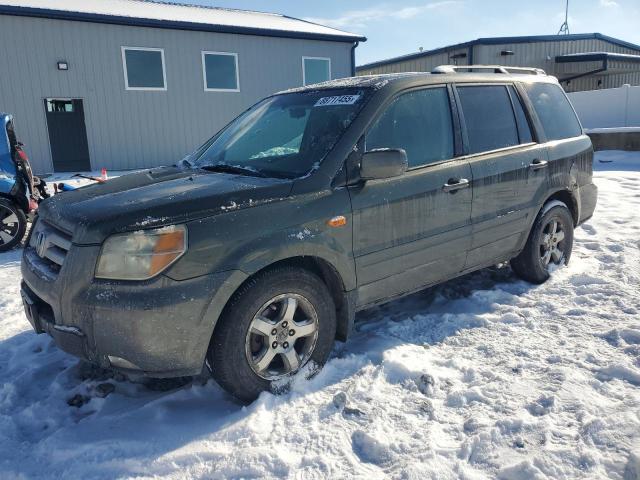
point(496, 69)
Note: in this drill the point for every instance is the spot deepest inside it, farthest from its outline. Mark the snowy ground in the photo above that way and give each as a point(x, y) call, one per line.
point(482, 377)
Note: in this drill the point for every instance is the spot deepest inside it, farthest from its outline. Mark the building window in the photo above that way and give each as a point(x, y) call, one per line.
point(144, 68)
point(220, 72)
point(315, 70)
point(58, 105)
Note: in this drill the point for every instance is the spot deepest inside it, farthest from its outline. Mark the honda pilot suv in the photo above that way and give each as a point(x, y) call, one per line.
point(252, 255)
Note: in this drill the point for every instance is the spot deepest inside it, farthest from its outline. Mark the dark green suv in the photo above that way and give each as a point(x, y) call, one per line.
point(254, 253)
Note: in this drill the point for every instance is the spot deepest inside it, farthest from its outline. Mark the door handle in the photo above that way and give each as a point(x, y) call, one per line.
point(538, 164)
point(455, 184)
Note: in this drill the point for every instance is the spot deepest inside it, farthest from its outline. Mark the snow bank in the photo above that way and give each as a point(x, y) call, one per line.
point(483, 377)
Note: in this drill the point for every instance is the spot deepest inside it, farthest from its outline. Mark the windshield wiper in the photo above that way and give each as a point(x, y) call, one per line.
point(224, 168)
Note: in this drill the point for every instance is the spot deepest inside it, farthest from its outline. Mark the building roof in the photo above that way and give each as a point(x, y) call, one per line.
point(597, 56)
point(500, 41)
point(176, 16)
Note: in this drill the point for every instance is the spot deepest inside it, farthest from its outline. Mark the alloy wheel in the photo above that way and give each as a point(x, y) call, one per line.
point(9, 225)
point(282, 336)
point(552, 243)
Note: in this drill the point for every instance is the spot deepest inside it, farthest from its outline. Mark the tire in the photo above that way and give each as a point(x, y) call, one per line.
point(242, 342)
point(545, 247)
point(13, 224)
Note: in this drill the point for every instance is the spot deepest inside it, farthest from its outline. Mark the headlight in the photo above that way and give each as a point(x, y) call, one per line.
point(141, 255)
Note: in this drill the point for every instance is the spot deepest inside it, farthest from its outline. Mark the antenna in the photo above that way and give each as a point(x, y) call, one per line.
point(564, 28)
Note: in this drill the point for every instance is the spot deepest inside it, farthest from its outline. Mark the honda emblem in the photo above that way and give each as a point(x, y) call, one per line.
point(41, 244)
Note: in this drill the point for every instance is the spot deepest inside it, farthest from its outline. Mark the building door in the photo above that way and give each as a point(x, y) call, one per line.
point(67, 135)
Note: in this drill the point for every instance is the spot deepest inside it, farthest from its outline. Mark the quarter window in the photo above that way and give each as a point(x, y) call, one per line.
point(524, 129)
point(315, 70)
point(554, 111)
point(143, 68)
point(220, 71)
point(418, 122)
point(488, 116)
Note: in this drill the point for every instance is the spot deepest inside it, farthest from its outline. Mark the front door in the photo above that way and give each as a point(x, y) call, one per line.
point(504, 162)
point(412, 231)
point(67, 135)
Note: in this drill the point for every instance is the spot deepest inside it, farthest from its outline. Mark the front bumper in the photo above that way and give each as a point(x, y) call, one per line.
point(160, 327)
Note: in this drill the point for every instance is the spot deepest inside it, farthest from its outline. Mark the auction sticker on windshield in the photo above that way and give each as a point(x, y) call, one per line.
point(337, 100)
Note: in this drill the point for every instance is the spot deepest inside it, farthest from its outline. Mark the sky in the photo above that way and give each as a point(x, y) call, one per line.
point(401, 27)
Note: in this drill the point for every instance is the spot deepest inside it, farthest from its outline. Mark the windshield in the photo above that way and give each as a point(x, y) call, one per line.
point(285, 136)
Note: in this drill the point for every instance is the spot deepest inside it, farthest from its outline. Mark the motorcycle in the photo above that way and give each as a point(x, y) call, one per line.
point(20, 190)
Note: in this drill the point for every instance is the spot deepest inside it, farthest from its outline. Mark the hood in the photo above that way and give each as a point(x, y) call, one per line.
point(154, 198)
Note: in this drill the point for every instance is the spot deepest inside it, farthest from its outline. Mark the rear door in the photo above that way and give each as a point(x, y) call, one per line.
point(413, 230)
point(507, 165)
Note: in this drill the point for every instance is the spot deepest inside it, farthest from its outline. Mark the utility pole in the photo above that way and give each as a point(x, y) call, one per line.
point(564, 28)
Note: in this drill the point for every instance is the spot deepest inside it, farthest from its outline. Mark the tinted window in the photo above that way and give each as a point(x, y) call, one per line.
point(554, 111)
point(488, 115)
point(420, 123)
point(144, 68)
point(220, 71)
point(316, 70)
point(524, 130)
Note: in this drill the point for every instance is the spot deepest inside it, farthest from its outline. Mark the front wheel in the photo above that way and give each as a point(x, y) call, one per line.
point(13, 224)
point(549, 244)
point(276, 323)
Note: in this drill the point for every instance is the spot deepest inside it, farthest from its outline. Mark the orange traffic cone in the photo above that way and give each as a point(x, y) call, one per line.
point(103, 174)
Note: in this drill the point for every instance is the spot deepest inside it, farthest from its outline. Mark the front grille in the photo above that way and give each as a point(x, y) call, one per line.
point(48, 247)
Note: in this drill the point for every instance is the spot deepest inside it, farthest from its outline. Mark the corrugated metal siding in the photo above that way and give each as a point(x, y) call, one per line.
point(135, 129)
point(533, 54)
point(423, 64)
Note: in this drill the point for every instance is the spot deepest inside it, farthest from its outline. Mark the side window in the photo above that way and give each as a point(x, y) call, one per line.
point(524, 129)
point(554, 111)
point(418, 122)
point(489, 118)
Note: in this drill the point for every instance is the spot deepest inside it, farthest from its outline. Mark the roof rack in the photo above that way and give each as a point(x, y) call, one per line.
point(496, 69)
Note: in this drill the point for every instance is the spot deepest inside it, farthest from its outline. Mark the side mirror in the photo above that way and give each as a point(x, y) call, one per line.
point(383, 163)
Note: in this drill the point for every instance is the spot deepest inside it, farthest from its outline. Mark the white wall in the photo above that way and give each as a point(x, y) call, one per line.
point(610, 108)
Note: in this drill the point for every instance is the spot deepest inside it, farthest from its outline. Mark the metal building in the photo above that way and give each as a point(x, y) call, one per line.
point(125, 84)
point(580, 61)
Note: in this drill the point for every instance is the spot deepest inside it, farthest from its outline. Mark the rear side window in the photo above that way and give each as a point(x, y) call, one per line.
point(489, 119)
point(418, 122)
point(554, 111)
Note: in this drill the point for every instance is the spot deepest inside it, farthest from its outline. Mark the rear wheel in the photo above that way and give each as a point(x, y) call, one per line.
point(13, 224)
point(549, 244)
point(279, 321)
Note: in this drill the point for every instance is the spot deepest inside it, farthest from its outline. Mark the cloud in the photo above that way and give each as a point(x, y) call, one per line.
point(608, 3)
point(360, 18)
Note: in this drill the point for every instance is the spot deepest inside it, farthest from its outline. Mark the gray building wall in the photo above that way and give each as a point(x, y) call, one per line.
point(135, 129)
point(531, 54)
